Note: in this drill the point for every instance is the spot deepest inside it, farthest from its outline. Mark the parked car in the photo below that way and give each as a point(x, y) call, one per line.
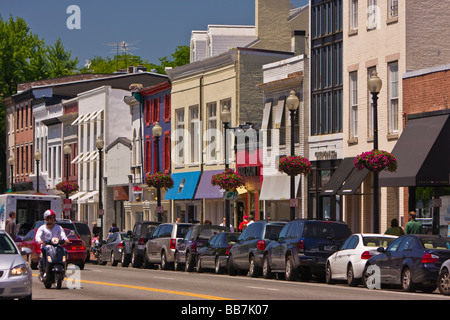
point(76, 249)
point(134, 247)
point(112, 250)
point(214, 254)
point(195, 238)
point(248, 252)
point(15, 274)
point(412, 261)
point(80, 228)
point(444, 278)
point(348, 263)
point(160, 248)
point(302, 248)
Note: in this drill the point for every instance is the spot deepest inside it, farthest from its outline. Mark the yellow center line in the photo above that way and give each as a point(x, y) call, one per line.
point(188, 294)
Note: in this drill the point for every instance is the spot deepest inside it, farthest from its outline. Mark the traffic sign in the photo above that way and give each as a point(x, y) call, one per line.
point(293, 202)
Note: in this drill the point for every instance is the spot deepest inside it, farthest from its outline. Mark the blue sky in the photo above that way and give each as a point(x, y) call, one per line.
point(154, 28)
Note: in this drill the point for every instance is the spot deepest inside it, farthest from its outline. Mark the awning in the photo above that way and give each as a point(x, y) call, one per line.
point(338, 178)
point(77, 195)
point(88, 197)
point(184, 185)
point(205, 189)
point(422, 153)
point(278, 187)
point(353, 182)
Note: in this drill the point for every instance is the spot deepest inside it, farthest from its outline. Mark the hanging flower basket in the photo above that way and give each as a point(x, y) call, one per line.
point(376, 161)
point(159, 180)
point(67, 187)
point(227, 180)
point(294, 165)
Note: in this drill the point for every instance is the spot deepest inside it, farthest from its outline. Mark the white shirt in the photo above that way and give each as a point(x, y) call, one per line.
point(45, 234)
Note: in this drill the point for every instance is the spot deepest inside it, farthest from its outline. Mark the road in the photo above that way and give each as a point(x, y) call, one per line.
point(116, 283)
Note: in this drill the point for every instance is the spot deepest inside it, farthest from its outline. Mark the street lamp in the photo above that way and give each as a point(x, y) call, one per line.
point(37, 157)
point(225, 115)
point(100, 144)
point(67, 151)
point(157, 132)
point(292, 103)
point(11, 165)
point(374, 85)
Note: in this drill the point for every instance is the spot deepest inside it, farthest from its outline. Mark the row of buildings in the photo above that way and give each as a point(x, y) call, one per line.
point(324, 52)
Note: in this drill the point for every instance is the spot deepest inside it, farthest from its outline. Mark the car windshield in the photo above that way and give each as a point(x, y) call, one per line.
point(377, 241)
point(182, 229)
point(442, 243)
point(208, 233)
point(323, 230)
point(125, 236)
point(6, 245)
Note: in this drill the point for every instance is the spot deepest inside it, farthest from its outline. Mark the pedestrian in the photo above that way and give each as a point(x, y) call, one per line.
point(10, 225)
point(252, 220)
point(224, 224)
point(413, 226)
point(95, 229)
point(113, 228)
point(395, 229)
point(243, 224)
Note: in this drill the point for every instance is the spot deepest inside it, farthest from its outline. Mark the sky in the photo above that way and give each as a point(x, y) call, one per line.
point(153, 28)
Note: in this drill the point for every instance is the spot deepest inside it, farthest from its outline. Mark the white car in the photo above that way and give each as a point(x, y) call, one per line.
point(348, 263)
point(15, 273)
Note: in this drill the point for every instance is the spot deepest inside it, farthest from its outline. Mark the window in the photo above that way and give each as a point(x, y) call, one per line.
point(148, 114)
point(370, 104)
point(353, 14)
point(179, 134)
point(393, 97)
point(166, 152)
point(211, 134)
point(155, 110)
point(393, 8)
point(372, 15)
point(353, 104)
point(148, 154)
point(167, 106)
point(194, 130)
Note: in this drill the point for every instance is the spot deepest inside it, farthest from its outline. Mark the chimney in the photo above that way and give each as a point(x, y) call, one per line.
point(298, 42)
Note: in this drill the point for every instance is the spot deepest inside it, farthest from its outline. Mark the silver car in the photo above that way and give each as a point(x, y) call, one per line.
point(160, 248)
point(15, 273)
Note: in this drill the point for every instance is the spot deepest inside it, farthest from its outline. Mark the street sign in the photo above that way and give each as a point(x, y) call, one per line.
point(101, 212)
point(293, 202)
point(67, 214)
point(160, 209)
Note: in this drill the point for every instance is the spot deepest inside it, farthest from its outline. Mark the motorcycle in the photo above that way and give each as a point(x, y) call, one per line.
point(56, 263)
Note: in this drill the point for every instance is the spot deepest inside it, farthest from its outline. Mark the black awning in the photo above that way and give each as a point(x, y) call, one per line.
point(422, 153)
point(338, 177)
point(353, 181)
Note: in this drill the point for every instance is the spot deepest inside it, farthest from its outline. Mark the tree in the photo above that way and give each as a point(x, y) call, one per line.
point(59, 60)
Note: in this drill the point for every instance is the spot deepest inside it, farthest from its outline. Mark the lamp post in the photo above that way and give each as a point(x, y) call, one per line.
point(37, 157)
point(11, 165)
point(100, 144)
point(67, 151)
point(157, 132)
point(225, 115)
point(292, 103)
point(374, 85)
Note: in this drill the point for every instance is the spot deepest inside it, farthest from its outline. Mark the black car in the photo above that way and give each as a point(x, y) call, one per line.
point(134, 248)
point(247, 254)
point(303, 247)
point(111, 250)
point(214, 255)
point(411, 261)
point(195, 238)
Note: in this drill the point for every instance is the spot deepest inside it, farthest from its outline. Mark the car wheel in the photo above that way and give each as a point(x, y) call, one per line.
point(231, 270)
point(147, 264)
point(290, 273)
point(164, 263)
point(253, 270)
point(136, 261)
point(199, 265)
point(126, 258)
point(329, 275)
point(266, 271)
point(351, 281)
point(189, 266)
point(444, 282)
point(217, 267)
point(407, 284)
point(114, 262)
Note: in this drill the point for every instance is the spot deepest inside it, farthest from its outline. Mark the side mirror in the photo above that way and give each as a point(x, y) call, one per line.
point(25, 251)
point(381, 250)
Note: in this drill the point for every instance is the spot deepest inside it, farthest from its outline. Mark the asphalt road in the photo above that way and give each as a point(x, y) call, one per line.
point(117, 283)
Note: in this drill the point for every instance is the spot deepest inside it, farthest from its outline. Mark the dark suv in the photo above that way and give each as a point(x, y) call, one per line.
point(247, 253)
point(303, 247)
point(195, 238)
point(135, 247)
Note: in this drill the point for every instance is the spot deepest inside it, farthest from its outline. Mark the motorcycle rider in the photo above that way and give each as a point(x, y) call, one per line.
point(46, 233)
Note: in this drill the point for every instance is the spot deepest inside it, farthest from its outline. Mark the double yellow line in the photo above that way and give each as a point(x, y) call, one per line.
point(187, 294)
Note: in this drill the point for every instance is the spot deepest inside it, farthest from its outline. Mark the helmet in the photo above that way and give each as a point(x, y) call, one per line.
point(49, 213)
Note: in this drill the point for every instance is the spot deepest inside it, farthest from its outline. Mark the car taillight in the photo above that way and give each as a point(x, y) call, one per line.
point(261, 245)
point(120, 245)
point(430, 258)
point(141, 240)
point(79, 248)
point(227, 251)
point(173, 244)
point(193, 247)
point(301, 246)
point(366, 255)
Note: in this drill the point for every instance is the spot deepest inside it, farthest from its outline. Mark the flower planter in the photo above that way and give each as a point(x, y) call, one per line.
point(376, 161)
point(67, 187)
point(159, 180)
point(294, 165)
point(227, 180)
